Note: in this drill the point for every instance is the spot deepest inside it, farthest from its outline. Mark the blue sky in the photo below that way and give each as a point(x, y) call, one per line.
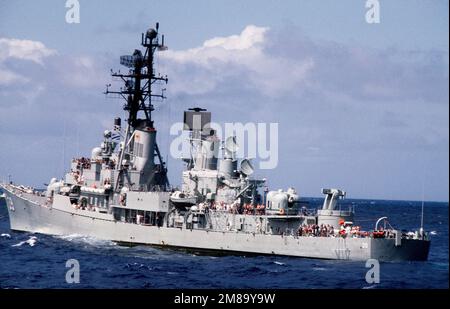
point(405, 23)
point(363, 107)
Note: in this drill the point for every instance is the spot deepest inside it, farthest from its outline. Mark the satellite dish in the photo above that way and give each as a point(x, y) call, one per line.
point(231, 145)
point(247, 167)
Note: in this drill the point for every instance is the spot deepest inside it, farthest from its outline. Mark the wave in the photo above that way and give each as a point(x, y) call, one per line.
point(5, 235)
point(31, 242)
point(319, 268)
point(83, 239)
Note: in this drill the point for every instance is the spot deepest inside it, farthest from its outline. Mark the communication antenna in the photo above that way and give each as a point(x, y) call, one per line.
point(64, 149)
point(423, 201)
point(423, 205)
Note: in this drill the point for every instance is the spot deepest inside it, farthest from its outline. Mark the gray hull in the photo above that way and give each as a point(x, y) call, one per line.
point(27, 215)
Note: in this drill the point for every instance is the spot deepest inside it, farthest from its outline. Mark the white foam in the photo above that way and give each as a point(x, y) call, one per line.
point(5, 235)
point(19, 244)
point(90, 240)
point(319, 268)
point(279, 263)
point(70, 237)
point(433, 233)
point(31, 242)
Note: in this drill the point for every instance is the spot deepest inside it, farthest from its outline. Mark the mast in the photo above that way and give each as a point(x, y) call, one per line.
point(139, 98)
point(423, 205)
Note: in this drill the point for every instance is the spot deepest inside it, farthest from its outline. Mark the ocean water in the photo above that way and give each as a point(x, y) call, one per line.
point(39, 261)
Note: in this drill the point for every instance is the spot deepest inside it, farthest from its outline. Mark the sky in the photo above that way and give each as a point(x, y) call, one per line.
point(362, 107)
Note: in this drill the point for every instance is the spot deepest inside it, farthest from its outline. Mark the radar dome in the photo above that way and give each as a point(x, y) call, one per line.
point(107, 134)
point(151, 33)
point(96, 152)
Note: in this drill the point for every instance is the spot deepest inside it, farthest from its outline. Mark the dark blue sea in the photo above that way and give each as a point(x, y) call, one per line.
point(39, 261)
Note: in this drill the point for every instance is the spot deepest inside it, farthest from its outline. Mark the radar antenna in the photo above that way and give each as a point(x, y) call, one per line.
point(138, 82)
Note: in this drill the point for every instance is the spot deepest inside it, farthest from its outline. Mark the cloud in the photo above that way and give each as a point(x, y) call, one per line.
point(8, 77)
point(21, 58)
point(14, 49)
point(276, 63)
point(345, 111)
point(48, 92)
point(332, 92)
point(239, 57)
point(81, 71)
point(24, 50)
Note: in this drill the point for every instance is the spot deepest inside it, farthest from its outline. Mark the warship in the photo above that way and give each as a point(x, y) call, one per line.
point(122, 192)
